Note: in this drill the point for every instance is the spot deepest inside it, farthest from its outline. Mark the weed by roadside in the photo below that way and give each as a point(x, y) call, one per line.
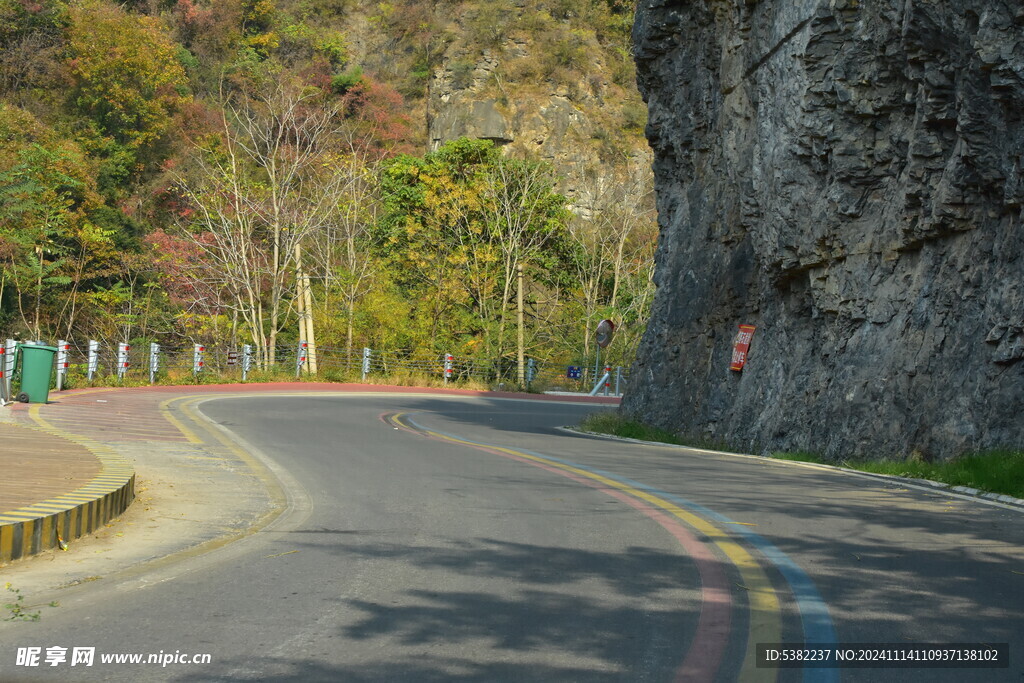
point(609, 422)
point(17, 610)
point(997, 471)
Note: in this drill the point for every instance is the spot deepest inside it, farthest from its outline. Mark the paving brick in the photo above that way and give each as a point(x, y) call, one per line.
point(37, 466)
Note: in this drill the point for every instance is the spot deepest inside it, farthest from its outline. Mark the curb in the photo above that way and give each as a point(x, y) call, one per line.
point(41, 526)
point(965, 492)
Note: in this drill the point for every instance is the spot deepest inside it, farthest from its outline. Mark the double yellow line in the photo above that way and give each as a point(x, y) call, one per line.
point(765, 611)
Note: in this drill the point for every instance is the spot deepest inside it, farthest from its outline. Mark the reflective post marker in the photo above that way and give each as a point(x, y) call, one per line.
point(63, 351)
point(531, 371)
point(246, 361)
point(94, 358)
point(3, 375)
point(197, 359)
point(448, 359)
point(9, 364)
point(300, 357)
point(366, 363)
point(154, 361)
point(122, 359)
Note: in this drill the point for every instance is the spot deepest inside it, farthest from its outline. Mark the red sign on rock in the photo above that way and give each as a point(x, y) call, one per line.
point(740, 348)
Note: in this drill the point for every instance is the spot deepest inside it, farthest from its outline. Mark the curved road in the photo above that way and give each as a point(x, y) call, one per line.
point(469, 539)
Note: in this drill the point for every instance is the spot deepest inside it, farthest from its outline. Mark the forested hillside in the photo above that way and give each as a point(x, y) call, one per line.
point(261, 171)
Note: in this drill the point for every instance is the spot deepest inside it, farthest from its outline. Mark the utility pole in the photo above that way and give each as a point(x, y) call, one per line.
point(520, 342)
point(304, 308)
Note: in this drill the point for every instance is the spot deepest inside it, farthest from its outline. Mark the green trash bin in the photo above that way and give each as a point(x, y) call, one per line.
point(36, 371)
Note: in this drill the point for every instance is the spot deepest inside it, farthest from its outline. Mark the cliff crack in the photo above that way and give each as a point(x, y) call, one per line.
point(768, 55)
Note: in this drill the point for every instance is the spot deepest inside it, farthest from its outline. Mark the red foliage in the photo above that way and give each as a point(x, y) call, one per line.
point(318, 74)
point(183, 271)
point(380, 111)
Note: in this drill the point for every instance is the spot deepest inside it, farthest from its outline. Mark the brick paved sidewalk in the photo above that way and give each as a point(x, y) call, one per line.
point(37, 466)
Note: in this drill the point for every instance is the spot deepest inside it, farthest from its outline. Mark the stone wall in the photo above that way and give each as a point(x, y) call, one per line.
point(848, 177)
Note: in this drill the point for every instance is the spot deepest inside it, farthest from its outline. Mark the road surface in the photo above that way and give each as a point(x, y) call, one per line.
point(469, 539)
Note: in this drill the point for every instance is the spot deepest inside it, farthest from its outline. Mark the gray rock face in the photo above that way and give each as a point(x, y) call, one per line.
point(848, 176)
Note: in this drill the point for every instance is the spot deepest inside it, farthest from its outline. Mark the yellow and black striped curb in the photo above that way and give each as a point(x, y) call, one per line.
point(41, 526)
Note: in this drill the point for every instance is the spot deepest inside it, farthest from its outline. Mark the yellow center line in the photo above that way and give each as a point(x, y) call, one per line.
point(765, 613)
point(165, 410)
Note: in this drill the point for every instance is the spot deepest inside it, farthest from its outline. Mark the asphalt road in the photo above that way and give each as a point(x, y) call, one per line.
point(441, 539)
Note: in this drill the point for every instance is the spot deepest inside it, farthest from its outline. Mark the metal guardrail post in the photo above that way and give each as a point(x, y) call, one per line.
point(246, 361)
point(600, 383)
point(94, 358)
point(198, 363)
point(9, 349)
point(4, 391)
point(366, 362)
point(300, 357)
point(154, 361)
point(122, 359)
point(63, 348)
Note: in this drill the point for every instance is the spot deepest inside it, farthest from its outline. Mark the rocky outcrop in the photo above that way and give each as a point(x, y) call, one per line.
point(848, 176)
point(570, 119)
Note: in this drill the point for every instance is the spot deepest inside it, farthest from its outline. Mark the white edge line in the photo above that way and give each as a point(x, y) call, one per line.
point(1014, 504)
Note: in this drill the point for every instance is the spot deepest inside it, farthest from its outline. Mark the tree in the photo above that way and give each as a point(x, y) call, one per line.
point(259, 188)
point(126, 73)
point(614, 233)
point(45, 234)
point(525, 214)
point(461, 222)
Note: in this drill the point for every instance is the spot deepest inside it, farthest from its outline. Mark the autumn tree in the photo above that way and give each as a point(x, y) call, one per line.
point(460, 222)
point(614, 233)
point(126, 73)
point(259, 188)
point(46, 237)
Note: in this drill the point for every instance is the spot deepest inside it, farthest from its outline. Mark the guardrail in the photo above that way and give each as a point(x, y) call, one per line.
point(125, 363)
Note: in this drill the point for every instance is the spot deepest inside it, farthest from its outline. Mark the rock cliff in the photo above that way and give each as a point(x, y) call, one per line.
point(849, 178)
point(550, 89)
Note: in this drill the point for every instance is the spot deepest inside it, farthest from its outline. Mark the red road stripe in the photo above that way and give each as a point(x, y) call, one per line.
point(708, 646)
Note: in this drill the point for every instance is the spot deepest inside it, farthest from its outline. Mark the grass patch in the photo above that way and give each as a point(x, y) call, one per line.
point(800, 456)
point(996, 471)
point(608, 422)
